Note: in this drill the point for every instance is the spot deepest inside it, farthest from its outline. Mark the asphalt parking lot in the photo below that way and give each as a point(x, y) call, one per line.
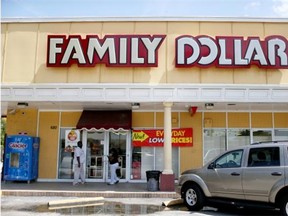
point(28, 206)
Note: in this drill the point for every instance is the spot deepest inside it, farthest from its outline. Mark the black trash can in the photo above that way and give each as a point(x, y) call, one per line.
point(153, 177)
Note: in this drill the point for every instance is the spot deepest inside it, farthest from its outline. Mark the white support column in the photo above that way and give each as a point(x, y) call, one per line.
point(167, 138)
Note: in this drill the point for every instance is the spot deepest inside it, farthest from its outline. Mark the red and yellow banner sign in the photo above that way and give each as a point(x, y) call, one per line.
point(180, 137)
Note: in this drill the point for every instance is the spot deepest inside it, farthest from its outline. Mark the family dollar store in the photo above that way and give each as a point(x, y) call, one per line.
point(168, 94)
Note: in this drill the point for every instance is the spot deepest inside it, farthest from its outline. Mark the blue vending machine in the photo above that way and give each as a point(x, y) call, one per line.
point(21, 158)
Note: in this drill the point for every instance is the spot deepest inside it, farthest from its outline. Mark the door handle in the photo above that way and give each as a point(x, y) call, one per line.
point(276, 173)
point(235, 174)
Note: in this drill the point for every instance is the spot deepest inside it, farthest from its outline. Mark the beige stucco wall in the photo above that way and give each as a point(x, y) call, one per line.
point(70, 119)
point(238, 120)
point(22, 121)
point(26, 44)
point(281, 120)
point(192, 157)
point(49, 142)
point(215, 119)
point(261, 120)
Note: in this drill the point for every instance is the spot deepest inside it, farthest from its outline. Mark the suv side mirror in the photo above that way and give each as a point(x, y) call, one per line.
point(211, 165)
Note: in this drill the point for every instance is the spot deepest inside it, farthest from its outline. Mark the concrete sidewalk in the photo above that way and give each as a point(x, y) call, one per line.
point(95, 189)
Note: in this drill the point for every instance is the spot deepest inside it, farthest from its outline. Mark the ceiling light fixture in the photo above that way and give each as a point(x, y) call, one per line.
point(135, 105)
point(22, 105)
point(209, 106)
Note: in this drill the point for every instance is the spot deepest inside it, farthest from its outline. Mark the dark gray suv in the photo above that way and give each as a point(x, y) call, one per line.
point(250, 175)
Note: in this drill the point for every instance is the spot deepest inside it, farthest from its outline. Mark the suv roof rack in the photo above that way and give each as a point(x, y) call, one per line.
point(263, 142)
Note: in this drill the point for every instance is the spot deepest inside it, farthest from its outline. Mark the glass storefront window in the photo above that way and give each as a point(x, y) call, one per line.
point(238, 137)
point(262, 135)
point(214, 139)
point(151, 158)
point(281, 134)
point(214, 143)
point(136, 163)
point(159, 162)
point(65, 163)
point(147, 160)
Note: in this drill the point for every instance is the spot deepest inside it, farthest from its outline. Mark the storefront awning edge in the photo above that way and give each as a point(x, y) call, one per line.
point(145, 93)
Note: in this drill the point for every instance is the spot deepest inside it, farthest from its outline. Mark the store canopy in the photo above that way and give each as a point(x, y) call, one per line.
point(99, 120)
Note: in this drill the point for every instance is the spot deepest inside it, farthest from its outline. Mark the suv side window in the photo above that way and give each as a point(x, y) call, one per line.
point(268, 156)
point(230, 160)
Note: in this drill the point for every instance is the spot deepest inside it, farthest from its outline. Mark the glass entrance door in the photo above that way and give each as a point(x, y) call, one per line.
point(119, 141)
point(98, 145)
point(95, 159)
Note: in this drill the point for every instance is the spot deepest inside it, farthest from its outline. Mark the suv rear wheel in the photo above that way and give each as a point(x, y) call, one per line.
point(193, 197)
point(284, 206)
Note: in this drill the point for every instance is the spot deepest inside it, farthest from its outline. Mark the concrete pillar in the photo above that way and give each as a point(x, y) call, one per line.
point(167, 138)
point(167, 177)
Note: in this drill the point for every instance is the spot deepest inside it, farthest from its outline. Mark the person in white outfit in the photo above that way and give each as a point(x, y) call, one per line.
point(114, 165)
point(78, 162)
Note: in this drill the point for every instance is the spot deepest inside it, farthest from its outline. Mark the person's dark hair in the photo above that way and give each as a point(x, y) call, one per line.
point(79, 143)
point(113, 151)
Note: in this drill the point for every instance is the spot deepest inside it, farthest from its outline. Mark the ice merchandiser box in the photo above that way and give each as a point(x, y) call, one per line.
point(21, 158)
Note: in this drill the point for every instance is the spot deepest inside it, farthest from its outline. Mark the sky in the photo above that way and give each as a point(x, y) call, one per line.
point(143, 8)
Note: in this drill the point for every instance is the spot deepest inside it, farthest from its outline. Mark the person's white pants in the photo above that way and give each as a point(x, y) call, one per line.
point(78, 172)
point(113, 174)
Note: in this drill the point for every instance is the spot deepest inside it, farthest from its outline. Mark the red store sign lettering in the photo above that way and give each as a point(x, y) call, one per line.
point(142, 51)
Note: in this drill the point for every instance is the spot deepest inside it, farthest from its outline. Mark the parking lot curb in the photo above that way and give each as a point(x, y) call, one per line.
point(105, 194)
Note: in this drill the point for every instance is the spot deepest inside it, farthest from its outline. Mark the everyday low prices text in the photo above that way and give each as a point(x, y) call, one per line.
point(150, 138)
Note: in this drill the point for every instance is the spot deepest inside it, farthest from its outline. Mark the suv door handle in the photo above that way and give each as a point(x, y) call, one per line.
point(235, 174)
point(276, 173)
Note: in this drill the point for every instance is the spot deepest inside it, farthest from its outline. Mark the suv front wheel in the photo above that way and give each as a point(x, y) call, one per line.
point(284, 206)
point(193, 197)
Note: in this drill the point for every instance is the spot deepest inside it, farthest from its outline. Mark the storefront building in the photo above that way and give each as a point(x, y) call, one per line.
point(167, 94)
